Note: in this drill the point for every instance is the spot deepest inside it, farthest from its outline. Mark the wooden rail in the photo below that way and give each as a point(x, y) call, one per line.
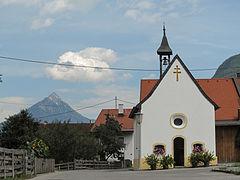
point(44, 165)
point(18, 161)
point(84, 164)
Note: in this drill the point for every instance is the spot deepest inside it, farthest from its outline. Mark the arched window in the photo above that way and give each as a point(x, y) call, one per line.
point(159, 149)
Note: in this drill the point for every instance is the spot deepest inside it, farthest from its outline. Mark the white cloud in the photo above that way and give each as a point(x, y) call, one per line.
point(12, 105)
point(24, 2)
point(93, 57)
point(100, 54)
point(145, 5)
point(132, 13)
point(143, 11)
point(154, 11)
point(51, 7)
point(55, 6)
point(39, 23)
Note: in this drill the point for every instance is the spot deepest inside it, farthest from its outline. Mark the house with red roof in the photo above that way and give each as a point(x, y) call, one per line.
point(122, 116)
point(178, 113)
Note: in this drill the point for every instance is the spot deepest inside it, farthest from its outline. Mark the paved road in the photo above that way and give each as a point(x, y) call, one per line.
point(179, 174)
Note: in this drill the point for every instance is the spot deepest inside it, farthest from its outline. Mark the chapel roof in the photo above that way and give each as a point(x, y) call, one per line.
point(225, 94)
point(127, 123)
point(222, 91)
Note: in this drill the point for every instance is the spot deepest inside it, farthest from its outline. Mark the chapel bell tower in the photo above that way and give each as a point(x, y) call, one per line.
point(164, 52)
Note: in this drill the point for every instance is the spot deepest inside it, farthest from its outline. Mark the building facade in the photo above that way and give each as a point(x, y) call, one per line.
point(176, 115)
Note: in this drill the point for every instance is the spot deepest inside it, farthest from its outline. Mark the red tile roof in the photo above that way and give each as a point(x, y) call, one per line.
point(222, 91)
point(127, 123)
point(146, 87)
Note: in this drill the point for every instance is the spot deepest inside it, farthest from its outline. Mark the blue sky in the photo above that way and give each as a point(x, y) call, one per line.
point(115, 33)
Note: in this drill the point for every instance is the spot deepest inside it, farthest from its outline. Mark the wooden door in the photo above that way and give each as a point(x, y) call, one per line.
point(178, 151)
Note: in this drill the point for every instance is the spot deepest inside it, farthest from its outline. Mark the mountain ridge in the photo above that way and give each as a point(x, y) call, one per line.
point(53, 108)
point(229, 68)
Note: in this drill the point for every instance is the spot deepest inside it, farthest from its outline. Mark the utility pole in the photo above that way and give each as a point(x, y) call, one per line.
point(115, 102)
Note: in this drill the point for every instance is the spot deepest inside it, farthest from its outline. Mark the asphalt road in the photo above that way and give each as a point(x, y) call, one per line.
point(179, 174)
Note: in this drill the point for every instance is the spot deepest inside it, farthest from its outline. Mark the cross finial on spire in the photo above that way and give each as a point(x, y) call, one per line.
point(164, 29)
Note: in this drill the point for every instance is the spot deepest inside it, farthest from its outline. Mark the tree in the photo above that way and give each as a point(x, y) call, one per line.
point(18, 129)
point(87, 147)
point(108, 135)
point(60, 140)
point(67, 141)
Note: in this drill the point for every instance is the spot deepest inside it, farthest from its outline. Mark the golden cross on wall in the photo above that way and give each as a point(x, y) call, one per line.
point(177, 72)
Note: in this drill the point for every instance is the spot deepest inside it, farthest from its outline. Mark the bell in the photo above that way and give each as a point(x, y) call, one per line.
point(164, 61)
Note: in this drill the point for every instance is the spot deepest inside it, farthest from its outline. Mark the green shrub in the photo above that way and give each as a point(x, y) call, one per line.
point(195, 158)
point(128, 163)
point(206, 157)
point(152, 161)
point(166, 161)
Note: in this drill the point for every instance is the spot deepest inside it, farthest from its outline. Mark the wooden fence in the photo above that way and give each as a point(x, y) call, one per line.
point(84, 164)
point(44, 165)
point(17, 161)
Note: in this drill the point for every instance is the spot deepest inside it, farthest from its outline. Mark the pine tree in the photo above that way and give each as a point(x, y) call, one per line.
point(17, 130)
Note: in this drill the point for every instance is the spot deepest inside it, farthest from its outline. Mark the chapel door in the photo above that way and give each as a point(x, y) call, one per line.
point(178, 151)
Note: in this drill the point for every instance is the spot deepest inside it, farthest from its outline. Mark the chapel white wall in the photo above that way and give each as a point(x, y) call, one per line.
point(177, 97)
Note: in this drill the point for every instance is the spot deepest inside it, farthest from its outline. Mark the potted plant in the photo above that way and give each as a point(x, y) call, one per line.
point(194, 159)
point(206, 157)
point(166, 161)
point(196, 156)
point(152, 161)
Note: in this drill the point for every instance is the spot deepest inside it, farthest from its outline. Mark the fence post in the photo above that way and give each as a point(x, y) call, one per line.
point(74, 164)
point(25, 162)
point(13, 164)
point(4, 164)
point(35, 166)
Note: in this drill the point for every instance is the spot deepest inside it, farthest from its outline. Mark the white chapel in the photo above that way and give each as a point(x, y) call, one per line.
point(175, 114)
